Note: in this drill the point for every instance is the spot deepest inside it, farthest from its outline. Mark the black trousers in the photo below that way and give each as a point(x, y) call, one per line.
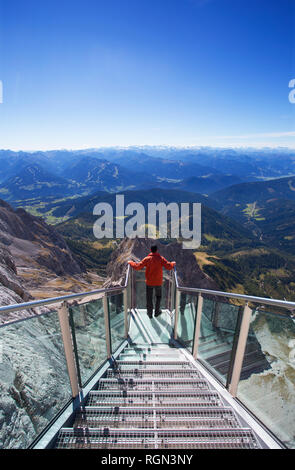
point(149, 298)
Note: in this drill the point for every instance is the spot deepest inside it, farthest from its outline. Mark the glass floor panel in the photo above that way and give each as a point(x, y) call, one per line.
point(158, 330)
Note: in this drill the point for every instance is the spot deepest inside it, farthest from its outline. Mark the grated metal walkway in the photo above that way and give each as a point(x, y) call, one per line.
point(154, 397)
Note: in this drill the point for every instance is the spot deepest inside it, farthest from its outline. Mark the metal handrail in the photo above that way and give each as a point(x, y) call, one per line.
point(247, 298)
point(241, 331)
point(64, 298)
point(67, 329)
point(53, 300)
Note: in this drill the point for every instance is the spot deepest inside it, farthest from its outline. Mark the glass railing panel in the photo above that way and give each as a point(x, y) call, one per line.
point(217, 331)
point(89, 332)
point(165, 293)
point(267, 380)
point(186, 319)
point(34, 380)
point(116, 317)
point(140, 289)
point(168, 291)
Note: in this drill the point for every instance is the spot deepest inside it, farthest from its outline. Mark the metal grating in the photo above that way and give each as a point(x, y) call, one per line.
point(133, 398)
point(153, 398)
point(157, 351)
point(150, 363)
point(156, 385)
point(209, 439)
point(169, 373)
point(222, 418)
point(141, 365)
point(86, 438)
point(151, 357)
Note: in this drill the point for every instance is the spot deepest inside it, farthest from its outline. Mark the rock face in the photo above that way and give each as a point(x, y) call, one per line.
point(11, 288)
point(8, 274)
point(34, 383)
point(32, 241)
point(271, 394)
point(188, 271)
point(27, 242)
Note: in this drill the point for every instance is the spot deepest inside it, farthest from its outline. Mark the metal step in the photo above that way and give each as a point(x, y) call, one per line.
point(123, 365)
point(153, 399)
point(157, 384)
point(161, 418)
point(153, 373)
point(217, 348)
point(85, 438)
point(150, 347)
point(151, 356)
point(149, 350)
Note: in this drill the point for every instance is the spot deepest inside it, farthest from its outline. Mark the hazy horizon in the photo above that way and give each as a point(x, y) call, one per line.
point(146, 146)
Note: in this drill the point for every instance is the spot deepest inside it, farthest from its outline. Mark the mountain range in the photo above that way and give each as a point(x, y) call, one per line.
point(217, 229)
point(35, 259)
point(206, 184)
point(247, 197)
point(267, 208)
point(281, 188)
point(62, 173)
point(88, 175)
point(35, 183)
point(93, 174)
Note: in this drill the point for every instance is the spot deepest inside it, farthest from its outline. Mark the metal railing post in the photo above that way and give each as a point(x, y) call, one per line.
point(133, 290)
point(107, 325)
point(125, 294)
point(197, 326)
point(234, 346)
point(240, 352)
point(172, 294)
point(63, 316)
point(176, 313)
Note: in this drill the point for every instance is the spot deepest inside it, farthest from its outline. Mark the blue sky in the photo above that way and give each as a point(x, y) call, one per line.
point(93, 73)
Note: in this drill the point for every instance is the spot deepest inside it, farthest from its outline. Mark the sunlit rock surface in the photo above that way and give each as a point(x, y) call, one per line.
point(271, 394)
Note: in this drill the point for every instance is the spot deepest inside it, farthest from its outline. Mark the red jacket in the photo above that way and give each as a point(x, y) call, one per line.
point(153, 263)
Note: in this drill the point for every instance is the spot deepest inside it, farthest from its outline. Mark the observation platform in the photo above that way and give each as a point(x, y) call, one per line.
point(120, 380)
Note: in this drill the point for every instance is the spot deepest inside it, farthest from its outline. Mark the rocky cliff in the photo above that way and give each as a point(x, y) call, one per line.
point(34, 381)
point(11, 288)
point(30, 250)
point(31, 241)
point(189, 272)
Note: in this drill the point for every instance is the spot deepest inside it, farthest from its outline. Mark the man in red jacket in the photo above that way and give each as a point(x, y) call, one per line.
point(153, 263)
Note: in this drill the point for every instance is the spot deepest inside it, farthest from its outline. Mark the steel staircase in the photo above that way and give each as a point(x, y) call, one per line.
point(126, 381)
point(154, 397)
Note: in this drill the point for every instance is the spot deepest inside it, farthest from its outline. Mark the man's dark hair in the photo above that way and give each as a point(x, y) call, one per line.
point(154, 248)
